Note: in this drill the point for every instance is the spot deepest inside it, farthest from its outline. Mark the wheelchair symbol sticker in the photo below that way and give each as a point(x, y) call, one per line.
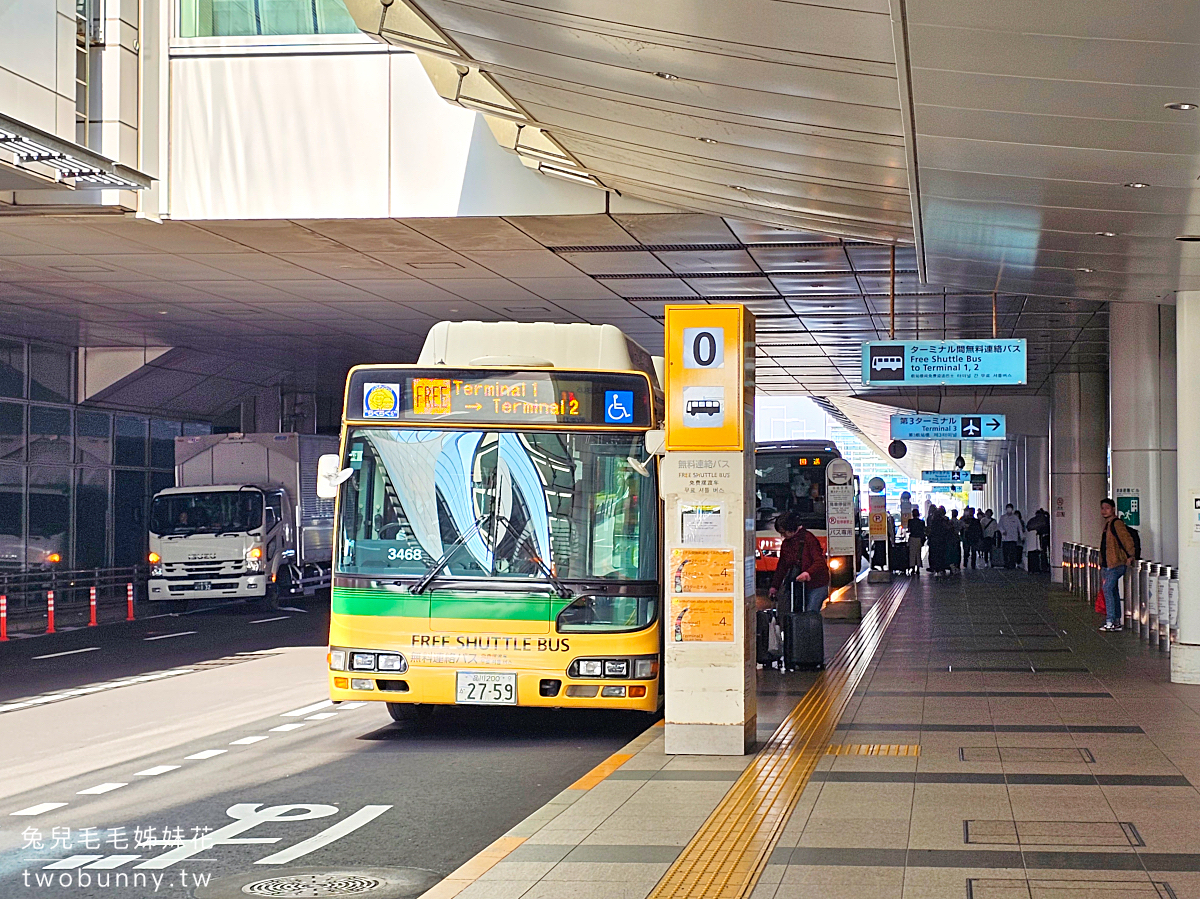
point(618, 407)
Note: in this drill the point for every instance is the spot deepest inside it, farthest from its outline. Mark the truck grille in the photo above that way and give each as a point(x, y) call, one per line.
point(203, 569)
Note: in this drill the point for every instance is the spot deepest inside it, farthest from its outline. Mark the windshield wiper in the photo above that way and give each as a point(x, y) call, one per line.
point(436, 568)
point(563, 591)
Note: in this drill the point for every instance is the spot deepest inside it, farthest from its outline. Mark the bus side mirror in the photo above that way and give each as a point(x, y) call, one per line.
point(656, 442)
point(330, 475)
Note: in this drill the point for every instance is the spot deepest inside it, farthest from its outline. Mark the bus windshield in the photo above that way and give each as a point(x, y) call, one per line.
point(790, 482)
point(519, 503)
point(214, 512)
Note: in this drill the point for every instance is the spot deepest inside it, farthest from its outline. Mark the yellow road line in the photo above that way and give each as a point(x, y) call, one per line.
point(726, 857)
point(474, 868)
point(601, 771)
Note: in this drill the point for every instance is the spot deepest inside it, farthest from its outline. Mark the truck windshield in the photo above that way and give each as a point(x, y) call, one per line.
point(523, 502)
point(206, 513)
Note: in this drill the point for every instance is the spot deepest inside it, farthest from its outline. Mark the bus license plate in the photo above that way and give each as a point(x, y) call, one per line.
point(202, 585)
point(486, 688)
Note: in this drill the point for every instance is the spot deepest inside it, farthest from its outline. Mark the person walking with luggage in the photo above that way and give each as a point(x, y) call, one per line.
point(1117, 549)
point(940, 534)
point(916, 539)
point(802, 558)
point(1039, 523)
point(972, 538)
point(1011, 530)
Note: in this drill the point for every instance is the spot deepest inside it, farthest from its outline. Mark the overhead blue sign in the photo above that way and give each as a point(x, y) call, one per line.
point(948, 427)
point(954, 362)
point(953, 476)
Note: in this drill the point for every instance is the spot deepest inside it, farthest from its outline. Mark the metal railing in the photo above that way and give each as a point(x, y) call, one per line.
point(45, 593)
point(1150, 592)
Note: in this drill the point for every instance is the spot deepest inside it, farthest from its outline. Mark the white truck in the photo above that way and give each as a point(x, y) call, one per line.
point(244, 520)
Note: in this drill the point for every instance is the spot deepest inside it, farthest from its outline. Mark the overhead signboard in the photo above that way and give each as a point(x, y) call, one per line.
point(948, 427)
point(951, 362)
point(978, 481)
point(708, 391)
point(953, 476)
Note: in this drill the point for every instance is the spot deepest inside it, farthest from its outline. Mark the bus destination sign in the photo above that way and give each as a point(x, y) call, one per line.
point(539, 398)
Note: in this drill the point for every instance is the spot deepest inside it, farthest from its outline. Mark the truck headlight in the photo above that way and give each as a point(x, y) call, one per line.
point(254, 558)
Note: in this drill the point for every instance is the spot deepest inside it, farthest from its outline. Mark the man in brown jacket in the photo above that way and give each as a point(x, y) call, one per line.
point(1116, 550)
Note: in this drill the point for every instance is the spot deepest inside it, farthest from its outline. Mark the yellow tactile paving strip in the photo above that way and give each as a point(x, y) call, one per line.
point(899, 749)
point(726, 857)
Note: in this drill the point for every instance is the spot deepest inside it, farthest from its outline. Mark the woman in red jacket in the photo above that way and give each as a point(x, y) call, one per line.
point(802, 557)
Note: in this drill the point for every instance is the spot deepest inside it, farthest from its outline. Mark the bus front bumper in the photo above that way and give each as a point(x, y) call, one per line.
point(541, 689)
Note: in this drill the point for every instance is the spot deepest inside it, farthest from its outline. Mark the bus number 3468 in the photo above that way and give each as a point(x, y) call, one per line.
point(404, 554)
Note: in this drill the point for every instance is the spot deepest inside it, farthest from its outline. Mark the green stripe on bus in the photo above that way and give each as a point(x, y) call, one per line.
point(445, 604)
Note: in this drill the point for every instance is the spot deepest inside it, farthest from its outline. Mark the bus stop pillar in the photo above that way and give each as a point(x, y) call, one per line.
point(707, 482)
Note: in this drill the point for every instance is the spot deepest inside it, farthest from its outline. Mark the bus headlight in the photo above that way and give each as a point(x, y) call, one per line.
point(362, 661)
point(337, 659)
point(588, 668)
point(616, 667)
point(836, 563)
point(390, 662)
point(645, 669)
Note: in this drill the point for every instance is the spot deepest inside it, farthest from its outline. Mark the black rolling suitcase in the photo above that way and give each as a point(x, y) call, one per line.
point(764, 621)
point(803, 632)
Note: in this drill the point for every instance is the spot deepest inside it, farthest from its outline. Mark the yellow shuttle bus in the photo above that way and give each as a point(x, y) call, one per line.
point(497, 537)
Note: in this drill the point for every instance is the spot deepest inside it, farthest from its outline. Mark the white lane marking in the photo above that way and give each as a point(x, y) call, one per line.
point(38, 809)
point(305, 611)
point(113, 861)
point(71, 861)
point(156, 770)
point(276, 618)
point(364, 815)
point(101, 788)
point(13, 706)
point(296, 713)
point(206, 754)
point(168, 637)
point(321, 716)
point(69, 652)
point(350, 705)
point(284, 728)
point(246, 741)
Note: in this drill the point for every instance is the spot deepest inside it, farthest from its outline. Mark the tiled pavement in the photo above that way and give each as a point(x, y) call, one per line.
point(1054, 762)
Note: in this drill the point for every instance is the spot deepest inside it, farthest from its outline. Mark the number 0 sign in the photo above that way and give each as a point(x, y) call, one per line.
point(707, 383)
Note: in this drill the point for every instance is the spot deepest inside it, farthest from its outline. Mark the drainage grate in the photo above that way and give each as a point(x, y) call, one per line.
point(315, 886)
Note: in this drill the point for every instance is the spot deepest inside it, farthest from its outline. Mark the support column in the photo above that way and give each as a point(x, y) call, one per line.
point(1139, 420)
point(1078, 459)
point(1185, 654)
point(1037, 474)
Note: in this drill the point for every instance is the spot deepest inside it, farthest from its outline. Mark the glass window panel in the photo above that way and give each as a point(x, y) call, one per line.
point(12, 517)
point(93, 437)
point(49, 375)
point(162, 443)
point(237, 18)
point(49, 434)
point(91, 518)
point(12, 368)
point(130, 445)
point(129, 518)
point(49, 516)
point(12, 432)
point(196, 428)
point(161, 480)
point(517, 503)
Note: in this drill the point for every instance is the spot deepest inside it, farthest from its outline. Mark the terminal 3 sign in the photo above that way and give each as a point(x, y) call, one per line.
point(948, 362)
point(948, 427)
